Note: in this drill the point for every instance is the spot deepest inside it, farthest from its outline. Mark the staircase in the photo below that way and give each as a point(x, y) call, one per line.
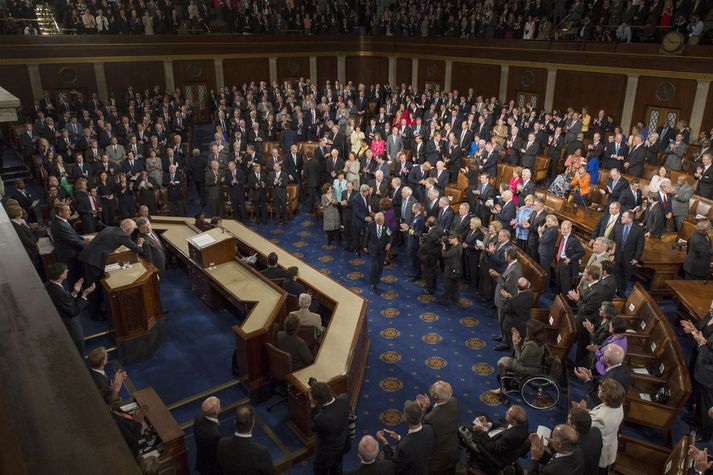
point(46, 21)
point(13, 167)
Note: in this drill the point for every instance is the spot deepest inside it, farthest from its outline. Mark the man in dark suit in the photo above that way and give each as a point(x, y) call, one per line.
point(698, 253)
point(589, 300)
point(501, 446)
point(537, 218)
point(377, 243)
point(704, 174)
point(629, 239)
point(68, 305)
point(93, 257)
point(67, 241)
point(479, 195)
point(412, 454)
point(616, 185)
point(613, 358)
point(330, 424)
point(368, 455)
point(529, 152)
point(278, 183)
point(235, 180)
point(568, 255)
point(490, 159)
point(360, 216)
point(567, 459)
point(257, 184)
point(25, 234)
point(312, 175)
point(590, 439)
point(290, 342)
point(615, 153)
point(109, 389)
point(607, 222)
point(630, 197)
point(26, 200)
point(554, 151)
point(461, 223)
point(174, 192)
point(445, 213)
point(206, 431)
point(273, 271)
point(153, 250)
point(240, 454)
point(527, 187)
point(516, 310)
point(634, 163)
point(443, 415)
point(294, 164)
point(506, 211)
point(214, 185)
point(655, 222)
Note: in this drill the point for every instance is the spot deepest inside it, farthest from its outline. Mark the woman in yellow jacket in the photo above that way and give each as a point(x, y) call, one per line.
point(580, 186)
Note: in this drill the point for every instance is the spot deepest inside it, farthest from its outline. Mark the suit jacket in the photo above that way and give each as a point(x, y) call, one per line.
point(243, 456)
point(207, 435)
point(258, 187)
point(384, 467)
point(504, 446)
point(104, 243)
point(601, 226)
point(461, 225)
point(330, 426)
point(66, 304)
point(568, 465)
point(636, 160)
point(527, 189)
point(589, 302)
point(634, 245)
point(655, 219)
point(705, 183)
point(518, 309)
point(67, 241)
point(621, 186)
point(590, 444)
point(528, 157)
point(412, 454)
point(698, 255)
point(681, 200)
point(28, 239)
point(375, 244)
point(533, 237)
point(507, 213)
point(507, 281)
point(297, 348)
point(103, 385)
point(607, 420)
point(445, 217)
point(628, 201)
point(153, 251)
point(574, 251)
point(444, 420)
point(621, 374)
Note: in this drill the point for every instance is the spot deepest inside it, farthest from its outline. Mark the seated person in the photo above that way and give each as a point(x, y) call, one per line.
point(528, 353)
point(273, 271)
point(294, 345)
point(617, 336)
point(501, 443)
point(308, 318)
point(216, 222)
point(293, 287)
point(97, 359)
point(200, 222)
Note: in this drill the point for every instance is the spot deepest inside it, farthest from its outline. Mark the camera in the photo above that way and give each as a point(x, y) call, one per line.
point(311, 381)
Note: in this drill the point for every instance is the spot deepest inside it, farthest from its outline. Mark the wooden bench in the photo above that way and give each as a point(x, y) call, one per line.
point(559, 324)
point(533, 272)
point(637, 457)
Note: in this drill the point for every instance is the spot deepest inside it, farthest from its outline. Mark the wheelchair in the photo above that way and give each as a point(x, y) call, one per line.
point(540, 390)
point(479, 461)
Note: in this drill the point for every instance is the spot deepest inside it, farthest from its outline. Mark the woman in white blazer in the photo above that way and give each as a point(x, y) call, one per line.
point(607, 417)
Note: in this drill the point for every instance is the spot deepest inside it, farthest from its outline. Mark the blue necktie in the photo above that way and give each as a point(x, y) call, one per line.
point(626, 232)
point(403, 208)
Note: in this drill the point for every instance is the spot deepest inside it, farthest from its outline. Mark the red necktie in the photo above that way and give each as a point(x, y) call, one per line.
point(559, 251)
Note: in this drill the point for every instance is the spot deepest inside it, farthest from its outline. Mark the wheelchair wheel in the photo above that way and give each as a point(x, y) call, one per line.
point(540, 392)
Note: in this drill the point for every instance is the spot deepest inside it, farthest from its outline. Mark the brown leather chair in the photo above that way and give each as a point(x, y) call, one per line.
point(554, 202)
point(542, 168)
point(658, 459)
point(659, 415)
point(307, 149)
point(280, 363)
point(309, 334)
point(292, 204)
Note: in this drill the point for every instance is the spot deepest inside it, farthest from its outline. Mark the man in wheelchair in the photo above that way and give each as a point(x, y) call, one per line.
point(494, 448)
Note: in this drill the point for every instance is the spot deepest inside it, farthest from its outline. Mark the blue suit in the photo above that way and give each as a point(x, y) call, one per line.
point(360, 211)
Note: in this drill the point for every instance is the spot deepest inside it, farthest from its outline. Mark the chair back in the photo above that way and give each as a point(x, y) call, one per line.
point(280, 362)
point(308, 334)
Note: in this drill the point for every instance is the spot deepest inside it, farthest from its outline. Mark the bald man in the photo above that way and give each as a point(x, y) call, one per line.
point(504, 445)
point(206, 430)
point(368, 455)
point(567, 460)
point(443, 415)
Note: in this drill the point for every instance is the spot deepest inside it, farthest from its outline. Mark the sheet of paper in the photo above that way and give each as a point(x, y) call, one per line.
point(641, 371)
point(112, 267)
point(203, 240)
point(495, 432)
point(645, 397)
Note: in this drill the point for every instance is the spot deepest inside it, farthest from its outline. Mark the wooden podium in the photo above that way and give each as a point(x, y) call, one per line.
point(173, 455)
point(211, 248)
point(133, 301)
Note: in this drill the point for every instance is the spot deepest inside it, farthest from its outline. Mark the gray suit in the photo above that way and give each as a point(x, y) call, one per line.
point(506, 281)
point(680, 203)
point(394, 146)
point(153, 251)
point(117, 155)
point(675, 154)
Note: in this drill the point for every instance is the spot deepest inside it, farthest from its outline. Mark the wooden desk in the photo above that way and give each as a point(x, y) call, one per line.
point(134, 303)
point(342, 357)
point(174, 456)
point(659, 261)
point(694, 298)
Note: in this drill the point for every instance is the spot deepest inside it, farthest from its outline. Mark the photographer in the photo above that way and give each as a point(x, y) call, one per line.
point(428, 253)
point(330, 421)
point(451, 254)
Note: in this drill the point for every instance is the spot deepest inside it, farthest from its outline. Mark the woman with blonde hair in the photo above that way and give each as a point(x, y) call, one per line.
point(607, 417)
point(356, 138)
point(351, 169)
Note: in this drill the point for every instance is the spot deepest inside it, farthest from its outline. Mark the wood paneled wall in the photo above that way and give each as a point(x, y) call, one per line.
point(187, 72)
point(430, 71)
point(649, 93)
point(483, 78)
point(16, 79)
point(592, 90)
point(239, 71)
point(79, 76)
point(119, 76)
point(292, 68)
point(707, 123)
point(367, 69)
point(326, 69)
point(403, 71)
point(533, 80)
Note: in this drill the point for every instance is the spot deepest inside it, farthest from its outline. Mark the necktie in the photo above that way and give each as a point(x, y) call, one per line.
point(155, 239)
point(559, 251)
point(403, 208)
point(626, 233)
point(609, 227)
point(663, 196)
point(378, 231)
